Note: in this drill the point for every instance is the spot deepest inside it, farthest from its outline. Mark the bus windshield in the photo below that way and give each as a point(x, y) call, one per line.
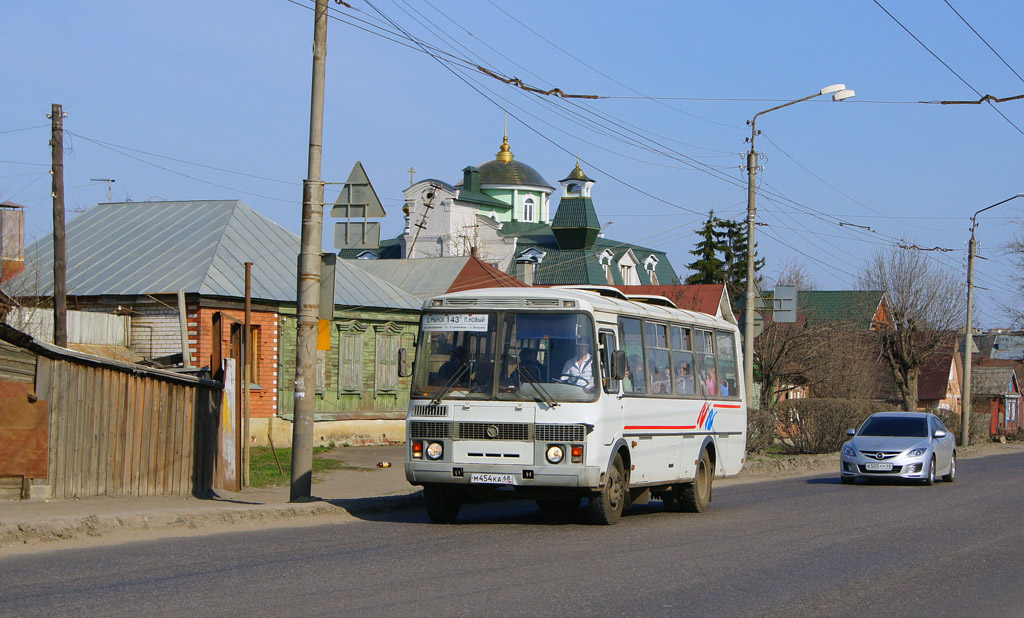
point(545, 357)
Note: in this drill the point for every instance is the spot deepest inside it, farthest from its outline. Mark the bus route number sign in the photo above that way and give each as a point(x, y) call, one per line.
point(454, 322)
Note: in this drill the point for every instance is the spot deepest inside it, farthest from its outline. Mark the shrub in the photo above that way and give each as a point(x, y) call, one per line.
point(819, 425)
point(979, 422)
point(760, 430)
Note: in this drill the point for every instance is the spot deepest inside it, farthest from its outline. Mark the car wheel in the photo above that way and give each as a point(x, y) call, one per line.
point(949, 478)
point(606, 505)
point(443, 503)
point(697, 495)
point(930, 479)
point(848, 480)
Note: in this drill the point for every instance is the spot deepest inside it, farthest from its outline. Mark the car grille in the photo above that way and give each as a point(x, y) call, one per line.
point(884, 454)
point(430, 429)
point(895, 470)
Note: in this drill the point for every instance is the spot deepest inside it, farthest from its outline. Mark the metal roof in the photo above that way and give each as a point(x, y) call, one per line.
point(200, 247)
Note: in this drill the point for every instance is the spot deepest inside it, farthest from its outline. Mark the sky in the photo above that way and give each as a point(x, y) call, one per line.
point(199, 100)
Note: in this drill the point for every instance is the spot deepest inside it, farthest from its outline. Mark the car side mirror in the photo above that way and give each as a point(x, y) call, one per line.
point(404, 366)
point(939, 434)
point(618, 364)
point(851, 432)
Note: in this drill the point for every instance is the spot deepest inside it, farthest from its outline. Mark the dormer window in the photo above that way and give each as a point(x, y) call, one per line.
point(605, 260)
point(650, 265)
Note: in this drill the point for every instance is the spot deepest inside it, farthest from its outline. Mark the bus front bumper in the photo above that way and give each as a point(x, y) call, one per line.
point(577, 476)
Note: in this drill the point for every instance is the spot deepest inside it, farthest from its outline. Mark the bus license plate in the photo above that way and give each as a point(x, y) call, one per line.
point(878, 467)
point(493, 479)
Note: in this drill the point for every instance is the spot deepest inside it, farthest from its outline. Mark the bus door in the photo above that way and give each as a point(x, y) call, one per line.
point(612, 414)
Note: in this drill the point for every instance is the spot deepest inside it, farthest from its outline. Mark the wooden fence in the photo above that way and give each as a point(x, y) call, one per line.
point(116, 428)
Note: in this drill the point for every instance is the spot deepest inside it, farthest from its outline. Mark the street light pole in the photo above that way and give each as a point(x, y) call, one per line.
point(839, 92)
point(965, 392)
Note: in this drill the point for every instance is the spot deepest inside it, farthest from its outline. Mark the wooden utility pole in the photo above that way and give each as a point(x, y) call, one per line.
point(308, 301)
point(247, 363)
point(60, 260)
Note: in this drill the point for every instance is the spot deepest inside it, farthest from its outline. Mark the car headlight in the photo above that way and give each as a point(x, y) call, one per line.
point(435, 450)
point(555, 454)
point(849, 452)
point(917, 452)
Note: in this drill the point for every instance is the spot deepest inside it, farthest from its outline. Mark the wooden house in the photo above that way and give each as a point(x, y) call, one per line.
point(995, 391)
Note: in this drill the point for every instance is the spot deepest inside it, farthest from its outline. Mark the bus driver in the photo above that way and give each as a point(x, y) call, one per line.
point(579, 370)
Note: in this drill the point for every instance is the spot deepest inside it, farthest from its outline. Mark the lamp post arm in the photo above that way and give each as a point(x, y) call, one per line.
point(753, 122)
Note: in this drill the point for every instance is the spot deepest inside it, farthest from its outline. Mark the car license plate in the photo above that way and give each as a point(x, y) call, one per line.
point(493, 479)
point(878, 467)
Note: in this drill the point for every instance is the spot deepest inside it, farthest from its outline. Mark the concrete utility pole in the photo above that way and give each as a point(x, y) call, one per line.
point(965, 391)
point(839, 92)
point(60, 259)
point(311, 246)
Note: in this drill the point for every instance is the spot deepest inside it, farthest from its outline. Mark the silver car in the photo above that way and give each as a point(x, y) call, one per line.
point(906, 445)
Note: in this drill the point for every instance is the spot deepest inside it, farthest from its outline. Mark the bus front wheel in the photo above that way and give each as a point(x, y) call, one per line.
point(606, 504)
point(442, 502)
point(697, 495)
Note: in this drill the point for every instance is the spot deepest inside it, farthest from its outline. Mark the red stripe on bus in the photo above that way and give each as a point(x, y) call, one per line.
point(723, 405)
point(659, 427)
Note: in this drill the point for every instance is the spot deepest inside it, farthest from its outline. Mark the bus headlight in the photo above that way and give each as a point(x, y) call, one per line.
point(435, 450)
point(555, 454)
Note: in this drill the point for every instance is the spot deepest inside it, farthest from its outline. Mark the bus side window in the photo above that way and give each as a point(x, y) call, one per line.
point(606, 350)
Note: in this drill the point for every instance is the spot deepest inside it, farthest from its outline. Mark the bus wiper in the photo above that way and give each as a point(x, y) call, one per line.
point(463, 368)
point(545, 397)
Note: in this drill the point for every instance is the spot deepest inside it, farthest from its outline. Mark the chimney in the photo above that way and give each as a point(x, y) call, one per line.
point(12, 240)
point(471, 179)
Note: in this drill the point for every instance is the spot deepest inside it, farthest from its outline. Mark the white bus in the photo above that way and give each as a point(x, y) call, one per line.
point(561, 394)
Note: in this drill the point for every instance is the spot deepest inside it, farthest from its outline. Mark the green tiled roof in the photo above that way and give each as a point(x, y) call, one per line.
point(583, 266)
point(854, 306)
point(576, 212)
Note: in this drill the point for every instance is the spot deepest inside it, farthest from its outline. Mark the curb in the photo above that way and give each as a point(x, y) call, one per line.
point(46, 531)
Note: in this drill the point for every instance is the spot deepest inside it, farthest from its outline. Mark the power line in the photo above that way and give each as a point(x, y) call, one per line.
point(983, 40)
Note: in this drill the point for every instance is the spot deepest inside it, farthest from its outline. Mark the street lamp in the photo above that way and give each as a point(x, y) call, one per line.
point(839, 92)
point(965, 393)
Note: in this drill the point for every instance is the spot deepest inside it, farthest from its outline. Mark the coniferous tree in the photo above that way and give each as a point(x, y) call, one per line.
point(735, 258)
point(708, 268)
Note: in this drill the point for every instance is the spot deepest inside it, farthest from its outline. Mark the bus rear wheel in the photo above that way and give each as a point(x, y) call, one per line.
point(697, 495)
point(443, 503)
point(606, 504)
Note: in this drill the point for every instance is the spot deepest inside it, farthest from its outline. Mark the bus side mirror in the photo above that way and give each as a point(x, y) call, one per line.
point(404, 368)
point(618, 364)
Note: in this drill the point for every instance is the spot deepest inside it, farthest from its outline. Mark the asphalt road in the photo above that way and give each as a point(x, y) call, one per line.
point(798, 547)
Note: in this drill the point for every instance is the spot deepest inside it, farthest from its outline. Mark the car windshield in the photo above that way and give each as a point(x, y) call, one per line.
point(895, 426)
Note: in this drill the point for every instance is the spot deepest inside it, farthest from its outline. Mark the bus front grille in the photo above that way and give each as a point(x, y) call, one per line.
point(429, 410)
point(430, 429)
point(493, 431)
point(561, 433)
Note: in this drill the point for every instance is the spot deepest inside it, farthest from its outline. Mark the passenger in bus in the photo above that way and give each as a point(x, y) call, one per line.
point(684, 380)
point(723, 388)
point(636, 373)
point(579, 370)
point(661, 381)
point(529, 367)
point(710, 385)
point(455, 368)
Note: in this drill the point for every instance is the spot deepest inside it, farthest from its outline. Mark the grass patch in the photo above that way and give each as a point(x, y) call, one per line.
point(263, 470)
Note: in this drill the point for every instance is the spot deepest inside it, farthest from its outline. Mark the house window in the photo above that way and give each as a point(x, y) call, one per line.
point(650, 265)
point(386, 373)
point(529, 210)
point(254, 355)
point(350, 358)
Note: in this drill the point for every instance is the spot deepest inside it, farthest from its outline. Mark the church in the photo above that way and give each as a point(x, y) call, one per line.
point(501, 211)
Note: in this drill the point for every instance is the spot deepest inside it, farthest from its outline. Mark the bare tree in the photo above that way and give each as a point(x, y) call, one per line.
point(794, 272)
point(925, 305)
point(1015, 250)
